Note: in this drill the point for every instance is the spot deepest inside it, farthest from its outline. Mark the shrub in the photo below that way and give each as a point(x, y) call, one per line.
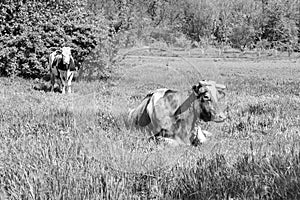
point(242, 36)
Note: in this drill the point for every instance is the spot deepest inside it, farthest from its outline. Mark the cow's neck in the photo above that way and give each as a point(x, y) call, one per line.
point(187, 112)
point(186, 104)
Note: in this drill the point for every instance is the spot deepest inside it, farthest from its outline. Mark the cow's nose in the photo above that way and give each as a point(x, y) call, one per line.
point(220, 117)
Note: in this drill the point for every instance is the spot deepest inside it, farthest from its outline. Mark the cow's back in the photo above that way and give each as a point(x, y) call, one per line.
point(139, 117)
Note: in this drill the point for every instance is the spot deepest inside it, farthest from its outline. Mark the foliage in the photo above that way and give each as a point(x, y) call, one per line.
point(242, 24)
point(279, 24)
point(97, 29)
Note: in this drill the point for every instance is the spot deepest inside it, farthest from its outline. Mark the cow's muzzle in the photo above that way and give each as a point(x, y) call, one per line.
point(220, 117)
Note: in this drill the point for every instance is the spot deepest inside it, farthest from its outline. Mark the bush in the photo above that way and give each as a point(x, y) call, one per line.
point(241, 37)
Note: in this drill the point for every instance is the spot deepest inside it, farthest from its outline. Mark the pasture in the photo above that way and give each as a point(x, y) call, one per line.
point(77, 146)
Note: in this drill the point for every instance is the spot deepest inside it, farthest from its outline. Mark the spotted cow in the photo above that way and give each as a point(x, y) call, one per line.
point(62, 67)
point(174, 115)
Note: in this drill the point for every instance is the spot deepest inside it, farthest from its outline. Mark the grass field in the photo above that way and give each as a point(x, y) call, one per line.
point(76, 146)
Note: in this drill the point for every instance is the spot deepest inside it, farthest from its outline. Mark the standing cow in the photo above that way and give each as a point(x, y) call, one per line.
point(173, 114)
point(62, 66)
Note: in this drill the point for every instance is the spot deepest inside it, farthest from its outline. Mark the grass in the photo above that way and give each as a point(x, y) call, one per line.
point(76, 146)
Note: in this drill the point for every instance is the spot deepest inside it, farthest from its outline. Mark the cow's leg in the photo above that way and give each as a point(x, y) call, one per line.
point(69, 76)
point(62, 77)
point(207, 133)
point(170, 141)
point(53, 74)
point(52, 79)
point(179, 140)
point(169, 138)
point(63, 90)
point(59, 83)
point(198, 137)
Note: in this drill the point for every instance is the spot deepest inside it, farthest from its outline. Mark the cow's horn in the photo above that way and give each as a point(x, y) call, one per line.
point(220, 86)
point(203, 83)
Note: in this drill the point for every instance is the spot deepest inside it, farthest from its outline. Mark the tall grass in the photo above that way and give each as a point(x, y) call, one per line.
point(77, 146)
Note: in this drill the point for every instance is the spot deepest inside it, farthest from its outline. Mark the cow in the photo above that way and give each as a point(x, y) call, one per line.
point(173, 115)
point(62, 66)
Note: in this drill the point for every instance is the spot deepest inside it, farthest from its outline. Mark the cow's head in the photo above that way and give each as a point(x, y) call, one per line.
point(66, 55)
point(208, 94)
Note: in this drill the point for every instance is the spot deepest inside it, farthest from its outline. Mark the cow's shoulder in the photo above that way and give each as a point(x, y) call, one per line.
point(181, 102)
point(165, 101)
point(172, 98)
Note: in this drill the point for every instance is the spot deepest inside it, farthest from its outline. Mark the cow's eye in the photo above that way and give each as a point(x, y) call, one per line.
point(221, 94)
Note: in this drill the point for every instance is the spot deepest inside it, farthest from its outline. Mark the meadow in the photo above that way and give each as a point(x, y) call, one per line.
point(77, 146)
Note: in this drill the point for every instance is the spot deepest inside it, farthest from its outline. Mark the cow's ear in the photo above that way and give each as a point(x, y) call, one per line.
point(196, 88)
point(220, 86)
point(203, 83)
point(221, 94)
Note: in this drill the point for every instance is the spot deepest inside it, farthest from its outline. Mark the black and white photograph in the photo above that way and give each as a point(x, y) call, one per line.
point(149, 99)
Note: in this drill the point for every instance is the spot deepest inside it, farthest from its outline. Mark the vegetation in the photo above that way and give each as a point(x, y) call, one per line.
point(77, 146)
point(97, 29)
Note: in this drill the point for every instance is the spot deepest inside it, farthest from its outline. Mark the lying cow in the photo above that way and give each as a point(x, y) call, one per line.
point(173, 115)
point(62, 66)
